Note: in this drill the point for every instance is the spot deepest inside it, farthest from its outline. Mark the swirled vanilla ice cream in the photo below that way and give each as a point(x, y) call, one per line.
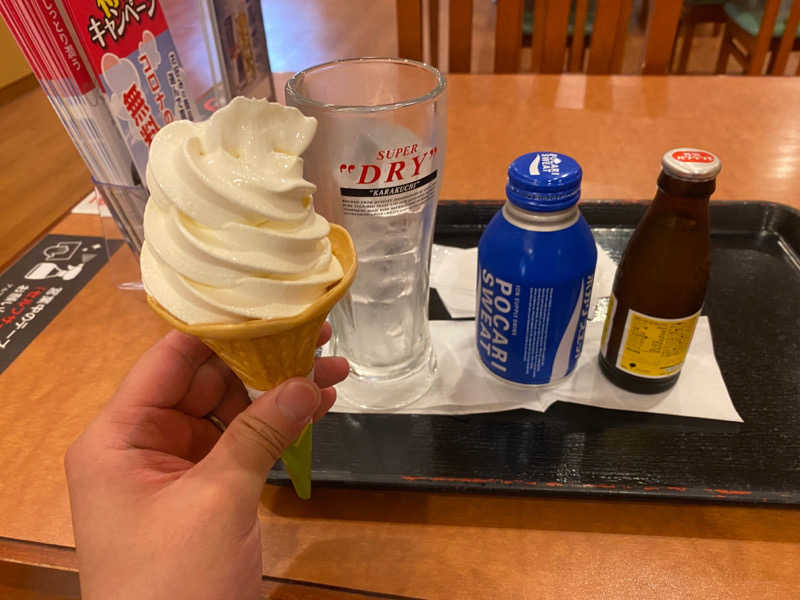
point(230, 228)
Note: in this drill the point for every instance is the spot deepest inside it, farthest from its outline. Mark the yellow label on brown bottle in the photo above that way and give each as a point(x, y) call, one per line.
point(655, 348)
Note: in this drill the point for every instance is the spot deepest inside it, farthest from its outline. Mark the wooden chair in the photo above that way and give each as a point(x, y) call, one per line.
point(751, 35)
point(662, 26)
point(552, 48)
point(695, 12)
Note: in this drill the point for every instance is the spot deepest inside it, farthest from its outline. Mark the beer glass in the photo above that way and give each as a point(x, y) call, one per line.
point(377, 161)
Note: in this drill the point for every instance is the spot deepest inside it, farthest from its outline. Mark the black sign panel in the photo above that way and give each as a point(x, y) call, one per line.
point(41, 283)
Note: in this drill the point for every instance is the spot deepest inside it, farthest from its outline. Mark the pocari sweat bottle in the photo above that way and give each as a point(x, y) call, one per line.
point(536, 263)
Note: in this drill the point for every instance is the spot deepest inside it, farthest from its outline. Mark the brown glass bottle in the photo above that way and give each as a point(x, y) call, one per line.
point(661, 280)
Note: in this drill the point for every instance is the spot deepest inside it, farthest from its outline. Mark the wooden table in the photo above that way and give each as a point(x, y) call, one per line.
point(447, 545)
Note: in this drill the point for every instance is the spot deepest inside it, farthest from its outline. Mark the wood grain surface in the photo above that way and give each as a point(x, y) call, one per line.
point(41, 174)
point(447, 545)
point(30, 571)
point(617, 127)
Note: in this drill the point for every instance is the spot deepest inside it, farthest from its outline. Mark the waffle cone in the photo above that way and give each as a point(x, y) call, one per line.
point(266, 352)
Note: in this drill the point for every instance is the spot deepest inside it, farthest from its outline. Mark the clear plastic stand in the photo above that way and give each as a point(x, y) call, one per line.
point(126, 205)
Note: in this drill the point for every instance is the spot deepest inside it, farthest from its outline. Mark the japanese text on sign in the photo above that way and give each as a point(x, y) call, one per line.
point(182, 103)
point(155, 88)
point(139, 111)
point(116, 17)
point(20, 307)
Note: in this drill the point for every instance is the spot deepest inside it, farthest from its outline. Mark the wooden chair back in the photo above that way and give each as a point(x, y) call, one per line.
point(751, 51)
point(662, 26)
point(788, 39)
point(551, 52)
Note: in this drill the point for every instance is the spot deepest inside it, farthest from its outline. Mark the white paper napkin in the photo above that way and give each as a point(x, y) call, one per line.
point(463, 386)
point(90, 205)
point(454, 275)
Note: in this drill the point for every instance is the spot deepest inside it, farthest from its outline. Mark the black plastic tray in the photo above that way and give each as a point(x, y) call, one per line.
point(753, 304)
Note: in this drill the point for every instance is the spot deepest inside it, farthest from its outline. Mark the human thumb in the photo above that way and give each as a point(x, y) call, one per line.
point(256, 438)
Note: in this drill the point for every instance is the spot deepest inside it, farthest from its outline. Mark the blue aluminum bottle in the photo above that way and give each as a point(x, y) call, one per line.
point(536, 263)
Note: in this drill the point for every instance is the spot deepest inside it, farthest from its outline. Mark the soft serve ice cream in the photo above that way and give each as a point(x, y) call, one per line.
point(230, 228)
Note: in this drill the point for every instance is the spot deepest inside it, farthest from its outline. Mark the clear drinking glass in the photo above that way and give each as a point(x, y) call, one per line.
point(377, 161)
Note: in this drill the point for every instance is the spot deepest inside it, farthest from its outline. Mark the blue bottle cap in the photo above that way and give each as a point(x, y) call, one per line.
point(544, 181)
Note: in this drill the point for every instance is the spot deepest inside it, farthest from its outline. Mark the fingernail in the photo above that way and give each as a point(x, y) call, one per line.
point(297, 400)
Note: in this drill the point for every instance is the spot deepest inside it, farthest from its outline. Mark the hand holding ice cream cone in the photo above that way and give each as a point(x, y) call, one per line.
point(165, 505)
point(234, 252)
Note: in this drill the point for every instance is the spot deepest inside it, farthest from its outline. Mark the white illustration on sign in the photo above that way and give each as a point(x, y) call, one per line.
point(119, 75)
point(149, 47)
point(61, 250)
point(49, 270)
